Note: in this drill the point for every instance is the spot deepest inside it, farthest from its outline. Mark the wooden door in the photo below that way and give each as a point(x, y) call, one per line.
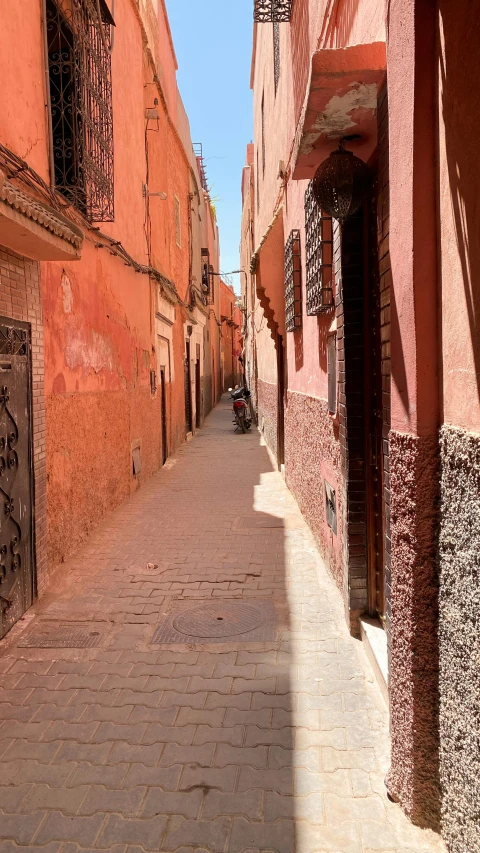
point(163, 392)
point(16, 476)
point(188, 390)
point(198, 394)
point(374, 432)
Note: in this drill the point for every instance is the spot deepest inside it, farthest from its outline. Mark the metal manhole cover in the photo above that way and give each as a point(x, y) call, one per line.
point(62, 637)
point(218, 620)
point(227, 621)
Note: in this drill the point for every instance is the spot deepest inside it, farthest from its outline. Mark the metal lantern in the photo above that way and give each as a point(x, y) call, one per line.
point(341, 183)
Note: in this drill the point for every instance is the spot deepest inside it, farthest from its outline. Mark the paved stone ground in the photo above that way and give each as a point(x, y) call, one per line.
point(246, 746)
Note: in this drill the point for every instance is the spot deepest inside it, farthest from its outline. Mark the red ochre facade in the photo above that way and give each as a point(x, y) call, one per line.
point(107, 330)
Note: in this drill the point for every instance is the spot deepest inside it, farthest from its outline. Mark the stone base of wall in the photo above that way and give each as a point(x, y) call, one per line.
point(459, 632)
point(89, 459)
point(312, 455)
point(267, 413)
point(413, 778)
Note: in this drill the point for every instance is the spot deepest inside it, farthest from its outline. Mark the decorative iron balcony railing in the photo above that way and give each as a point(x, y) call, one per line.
point(293, 282)
point(272, 11)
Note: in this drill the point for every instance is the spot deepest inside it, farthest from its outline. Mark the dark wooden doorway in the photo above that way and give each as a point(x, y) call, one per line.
point(16, 475)
point(188, 390)
point(198, 393)
point(163, 400)
point(375, 474)
point(280, 401)
point(214, 384)
point(377, 358)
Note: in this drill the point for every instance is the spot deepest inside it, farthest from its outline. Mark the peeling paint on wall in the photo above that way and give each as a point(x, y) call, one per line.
point(336, 119)
point(67, 293)
point(93, 354)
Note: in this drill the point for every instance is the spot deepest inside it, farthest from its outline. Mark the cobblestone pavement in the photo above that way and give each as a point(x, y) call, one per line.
point(252, 744)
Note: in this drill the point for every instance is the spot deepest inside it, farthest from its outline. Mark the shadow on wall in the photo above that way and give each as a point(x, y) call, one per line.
point(324, 322)
point(300, 46)
point(460, 103)
point(460, 450)
point(339, 26)
point(298, 342)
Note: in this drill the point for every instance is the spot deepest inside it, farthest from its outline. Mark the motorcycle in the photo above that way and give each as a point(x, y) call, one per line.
point(241, 411)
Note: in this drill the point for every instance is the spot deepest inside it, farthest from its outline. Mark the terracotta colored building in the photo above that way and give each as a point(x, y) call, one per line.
point(362, 352)
point(231, 318)
point(105, 323)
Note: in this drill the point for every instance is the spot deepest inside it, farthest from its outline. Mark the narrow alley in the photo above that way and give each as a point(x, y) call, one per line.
point(262, 729)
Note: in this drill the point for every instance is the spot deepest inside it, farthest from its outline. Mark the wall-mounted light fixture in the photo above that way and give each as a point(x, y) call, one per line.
point(341, 183)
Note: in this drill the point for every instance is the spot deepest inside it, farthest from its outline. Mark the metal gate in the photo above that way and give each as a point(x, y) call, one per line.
point(16, 553)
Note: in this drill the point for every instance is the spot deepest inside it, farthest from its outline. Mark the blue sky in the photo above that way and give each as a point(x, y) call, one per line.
point(213, 43)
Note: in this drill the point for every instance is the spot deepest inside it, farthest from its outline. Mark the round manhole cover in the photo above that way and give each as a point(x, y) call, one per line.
point(218, 620)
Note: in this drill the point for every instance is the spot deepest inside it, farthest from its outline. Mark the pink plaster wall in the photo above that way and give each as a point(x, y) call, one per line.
point(459, 219)
point(313, 26)
point(413, 250)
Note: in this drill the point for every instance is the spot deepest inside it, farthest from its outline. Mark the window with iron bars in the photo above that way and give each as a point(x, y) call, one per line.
point(268, 11)
point(208, 280)
point(263, 136)
point(293, 282)
point(80, 86)
point(276, 54)
point(319, 257)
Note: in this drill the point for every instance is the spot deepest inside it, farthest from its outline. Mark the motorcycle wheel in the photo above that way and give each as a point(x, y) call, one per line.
point(242, 424)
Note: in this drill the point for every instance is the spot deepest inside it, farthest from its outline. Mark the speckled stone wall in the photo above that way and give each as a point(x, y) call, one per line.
point(413, 778)
point(459, 632)
point(267, 413)
point(312, 454)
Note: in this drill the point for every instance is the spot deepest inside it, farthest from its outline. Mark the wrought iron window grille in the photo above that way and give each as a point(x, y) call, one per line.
point(319, 257)
point(293, 282)
point(272, 11)
point(80, 78)
point(263, 136)
point(208, 279)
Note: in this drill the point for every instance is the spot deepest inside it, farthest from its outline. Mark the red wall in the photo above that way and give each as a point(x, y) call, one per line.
point(99, 313)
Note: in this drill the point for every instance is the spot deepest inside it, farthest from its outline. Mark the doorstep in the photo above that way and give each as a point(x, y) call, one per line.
point(375, 643)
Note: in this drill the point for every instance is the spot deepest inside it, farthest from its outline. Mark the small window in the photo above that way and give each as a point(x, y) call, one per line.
point(178, 223)
point(276, 54)
point(332, 373)
point(207, 277)
point(319, 257)
point(293, 282)
point(263, 135)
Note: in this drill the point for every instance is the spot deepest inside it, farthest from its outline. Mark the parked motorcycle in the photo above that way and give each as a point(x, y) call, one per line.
point(241, 407)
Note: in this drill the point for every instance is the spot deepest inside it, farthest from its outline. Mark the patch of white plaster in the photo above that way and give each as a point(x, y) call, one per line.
point(336, 119)
point(67, 293)
point(93, 354)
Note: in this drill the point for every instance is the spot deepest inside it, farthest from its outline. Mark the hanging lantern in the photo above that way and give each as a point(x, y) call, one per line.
point(341, 183)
